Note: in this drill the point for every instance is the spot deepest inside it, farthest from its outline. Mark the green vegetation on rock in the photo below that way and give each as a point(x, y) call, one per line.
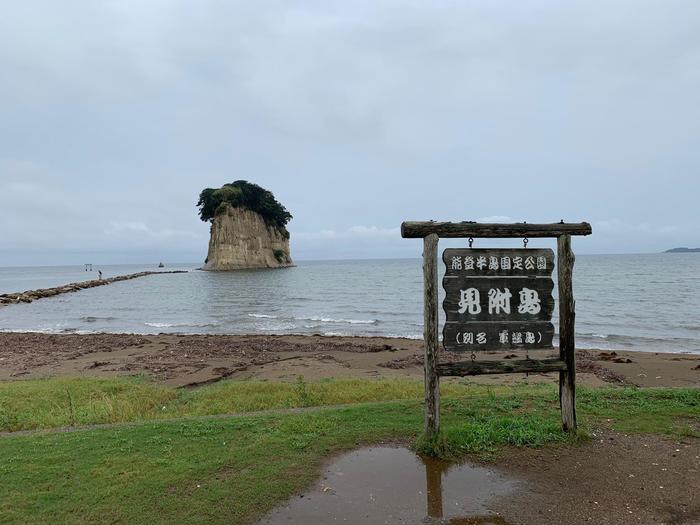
point(244, 194)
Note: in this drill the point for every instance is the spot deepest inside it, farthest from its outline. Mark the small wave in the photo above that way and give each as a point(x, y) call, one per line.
point(267, 326)
point(50, 331)
point(597, 336)
point(387, 336)
point(332, 320)
point(159, 325)
point(263, 316)
point(32, 330)
point(174, 325)
point(404, 336)
point(636, 342)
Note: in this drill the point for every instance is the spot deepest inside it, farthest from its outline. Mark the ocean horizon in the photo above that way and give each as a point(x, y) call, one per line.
point(642, 302)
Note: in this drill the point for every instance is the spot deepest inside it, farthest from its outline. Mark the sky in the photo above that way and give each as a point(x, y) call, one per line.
point(114, 115)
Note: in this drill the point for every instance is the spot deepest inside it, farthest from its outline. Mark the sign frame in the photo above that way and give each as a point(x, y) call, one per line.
point(431, 232)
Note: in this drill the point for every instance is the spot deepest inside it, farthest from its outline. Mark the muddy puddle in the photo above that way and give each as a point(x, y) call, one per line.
point(386, 485)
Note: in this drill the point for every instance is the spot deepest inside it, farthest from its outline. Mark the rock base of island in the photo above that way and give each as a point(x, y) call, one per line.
point(241, 239)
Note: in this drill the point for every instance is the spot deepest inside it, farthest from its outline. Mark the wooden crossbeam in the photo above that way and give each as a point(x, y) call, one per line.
point(472, 368)
point(419, 229)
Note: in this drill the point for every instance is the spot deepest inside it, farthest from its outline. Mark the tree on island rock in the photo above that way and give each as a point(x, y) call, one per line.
point(248, 227)
point(244, 194)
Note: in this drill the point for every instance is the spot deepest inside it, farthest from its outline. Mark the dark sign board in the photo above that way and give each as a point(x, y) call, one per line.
point(498, 299)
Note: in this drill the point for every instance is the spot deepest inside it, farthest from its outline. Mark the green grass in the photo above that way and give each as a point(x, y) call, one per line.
point(232, 470)
point(217, 471)
point(674, 411)
point(49, 403)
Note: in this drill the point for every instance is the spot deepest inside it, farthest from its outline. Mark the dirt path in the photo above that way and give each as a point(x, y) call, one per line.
point(181, 360)
point(614, 479)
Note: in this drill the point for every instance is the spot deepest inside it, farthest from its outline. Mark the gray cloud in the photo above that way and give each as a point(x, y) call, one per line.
point(356, 115)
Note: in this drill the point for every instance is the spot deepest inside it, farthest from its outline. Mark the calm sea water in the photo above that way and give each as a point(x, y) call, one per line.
point(639, 302)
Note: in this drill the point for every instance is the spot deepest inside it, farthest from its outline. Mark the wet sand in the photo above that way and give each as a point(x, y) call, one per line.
point(181, 360)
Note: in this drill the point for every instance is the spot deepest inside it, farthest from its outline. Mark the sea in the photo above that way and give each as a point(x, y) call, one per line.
point(644, 302)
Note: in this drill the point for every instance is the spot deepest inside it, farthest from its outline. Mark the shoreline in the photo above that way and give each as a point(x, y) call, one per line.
point(643, 349)
point(195, 359)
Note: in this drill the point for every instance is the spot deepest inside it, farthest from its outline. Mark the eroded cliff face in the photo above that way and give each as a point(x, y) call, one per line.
point(240, 239)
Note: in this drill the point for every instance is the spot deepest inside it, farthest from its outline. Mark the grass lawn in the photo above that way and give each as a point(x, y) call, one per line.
point(232, 470)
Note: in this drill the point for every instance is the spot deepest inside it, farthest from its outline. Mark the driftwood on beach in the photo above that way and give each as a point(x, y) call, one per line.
point(33, 295)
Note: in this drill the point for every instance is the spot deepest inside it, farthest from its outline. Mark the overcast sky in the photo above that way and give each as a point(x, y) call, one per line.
point(114, 115)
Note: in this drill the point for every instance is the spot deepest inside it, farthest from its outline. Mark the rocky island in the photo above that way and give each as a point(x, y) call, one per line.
point(248, 228)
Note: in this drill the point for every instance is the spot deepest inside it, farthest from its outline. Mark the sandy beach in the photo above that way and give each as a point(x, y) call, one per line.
point(182, 360)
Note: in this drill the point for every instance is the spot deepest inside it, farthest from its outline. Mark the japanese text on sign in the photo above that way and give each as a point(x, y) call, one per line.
point(498, 299)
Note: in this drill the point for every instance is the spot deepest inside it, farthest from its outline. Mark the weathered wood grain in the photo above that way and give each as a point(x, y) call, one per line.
point(455, 259)
point(418, 229)
point(453, 336)
point(542, 286)
point(430, 335)
point(567, 315)
point(470, 368)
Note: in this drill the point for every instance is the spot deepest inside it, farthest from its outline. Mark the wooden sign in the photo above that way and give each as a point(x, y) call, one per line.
point(497, 299)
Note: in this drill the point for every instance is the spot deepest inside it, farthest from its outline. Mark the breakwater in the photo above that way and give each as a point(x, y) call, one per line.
point(32, 295)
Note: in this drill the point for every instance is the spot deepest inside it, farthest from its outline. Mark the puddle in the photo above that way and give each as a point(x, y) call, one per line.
point(386, 485)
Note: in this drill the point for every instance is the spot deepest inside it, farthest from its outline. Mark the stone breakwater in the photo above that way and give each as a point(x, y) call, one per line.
point(33, 295)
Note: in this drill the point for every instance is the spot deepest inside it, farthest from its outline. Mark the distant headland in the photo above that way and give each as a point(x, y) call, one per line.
point(248, 227)
point(683, 250)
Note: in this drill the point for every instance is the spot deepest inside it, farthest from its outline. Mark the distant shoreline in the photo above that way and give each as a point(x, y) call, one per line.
point(683, 250)
point(302, 261)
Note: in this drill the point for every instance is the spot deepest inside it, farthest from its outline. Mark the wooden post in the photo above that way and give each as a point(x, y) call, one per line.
point(567, 349)
point(430, 336)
